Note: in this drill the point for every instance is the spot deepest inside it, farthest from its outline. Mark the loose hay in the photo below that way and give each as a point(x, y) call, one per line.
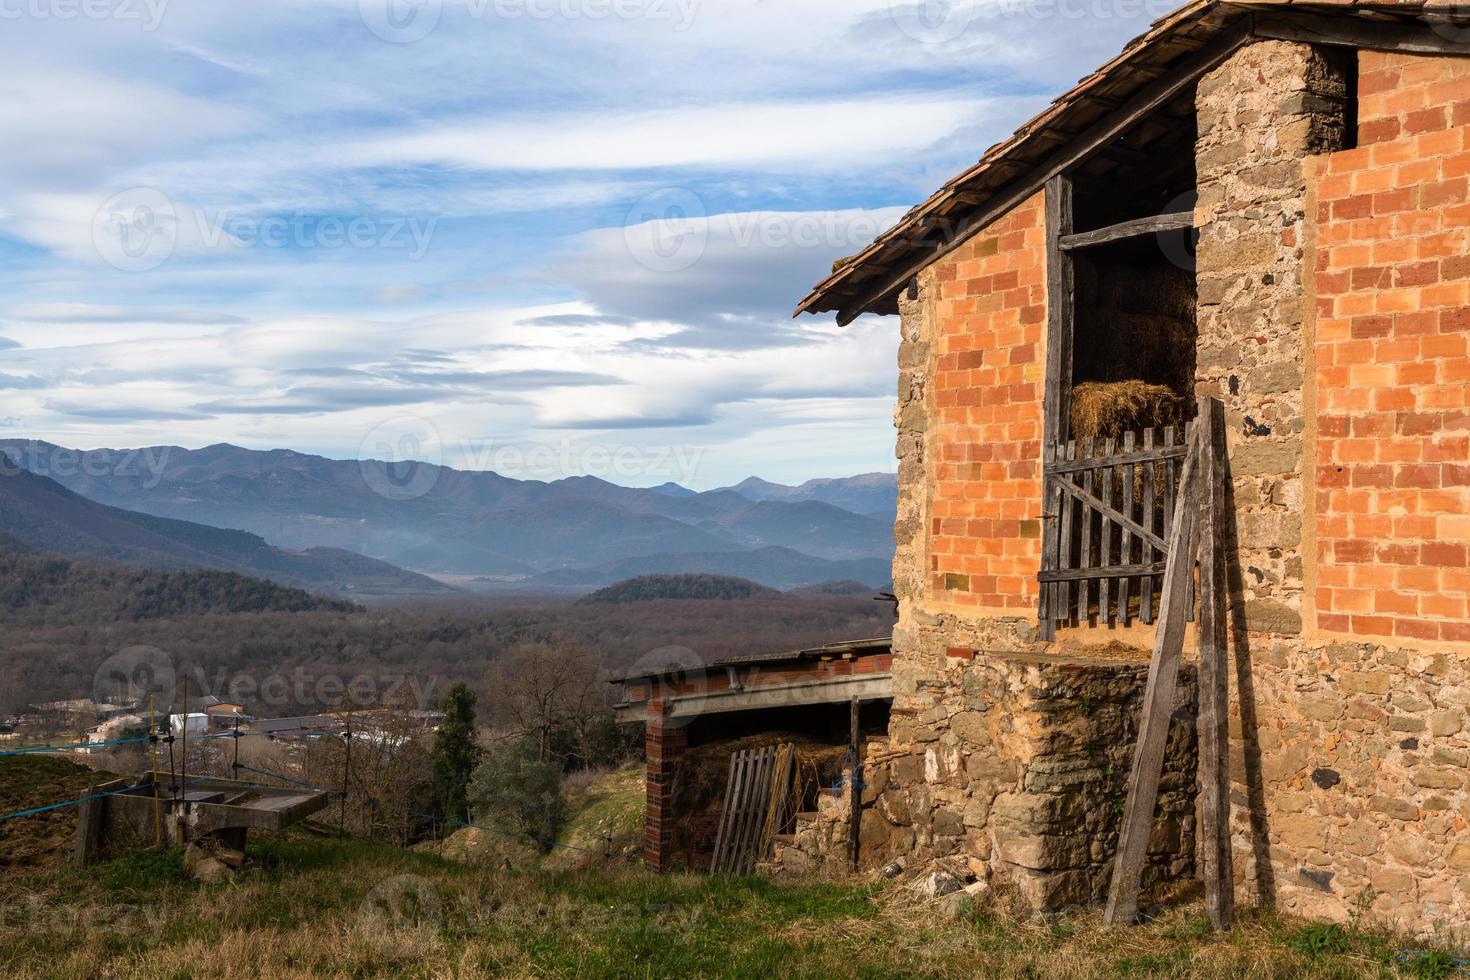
point(1108, 410)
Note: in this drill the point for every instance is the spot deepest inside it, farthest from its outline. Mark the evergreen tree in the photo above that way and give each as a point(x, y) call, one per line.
point(455, 753)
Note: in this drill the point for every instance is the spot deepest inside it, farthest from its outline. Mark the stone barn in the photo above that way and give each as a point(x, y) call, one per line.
point(1266, 203)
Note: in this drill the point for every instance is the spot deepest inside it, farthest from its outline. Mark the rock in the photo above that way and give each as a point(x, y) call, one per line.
point(1398, 809)
point(970, 727)
point(948, 823)
point(1443, 723)
point(937, 884)
point(894, 868)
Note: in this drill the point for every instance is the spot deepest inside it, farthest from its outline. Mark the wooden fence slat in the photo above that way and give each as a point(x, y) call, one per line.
point(1214, 674)
point(755, 766)
point(722, 835)
point(1144, 455)
point(1105, 541)
point(1125, 542)
point(1084, 587)
point(1158, 706)
point(1050, 525)
point(1068, 528)
point(1147, 552)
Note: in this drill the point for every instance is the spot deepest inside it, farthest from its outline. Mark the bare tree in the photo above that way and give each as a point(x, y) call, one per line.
point(538, 690)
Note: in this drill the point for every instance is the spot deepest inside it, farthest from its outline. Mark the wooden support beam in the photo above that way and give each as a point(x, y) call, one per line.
point(1137, 228)
point(1061, 315)
point(1158, 702)
point(1216, 860)
point(1354, 32)
point(1096, 137)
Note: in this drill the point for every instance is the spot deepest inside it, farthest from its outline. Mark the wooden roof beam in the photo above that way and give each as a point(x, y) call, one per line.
point(1406, 38)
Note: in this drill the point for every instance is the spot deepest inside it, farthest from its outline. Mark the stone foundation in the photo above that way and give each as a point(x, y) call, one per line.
point(1014, 769)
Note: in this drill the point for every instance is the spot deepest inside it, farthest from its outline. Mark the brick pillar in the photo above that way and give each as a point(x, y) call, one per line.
point(664, 747)
point(1261, 114)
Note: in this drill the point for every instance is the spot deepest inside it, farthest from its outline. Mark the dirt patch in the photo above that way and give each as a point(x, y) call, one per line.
point(42, 841)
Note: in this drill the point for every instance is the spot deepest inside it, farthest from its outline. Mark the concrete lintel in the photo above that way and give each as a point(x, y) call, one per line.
point(836, 690)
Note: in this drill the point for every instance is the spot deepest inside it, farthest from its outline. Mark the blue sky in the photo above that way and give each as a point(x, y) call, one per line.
point(544, 236)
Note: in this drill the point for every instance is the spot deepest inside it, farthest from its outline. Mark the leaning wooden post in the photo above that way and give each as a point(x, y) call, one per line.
point(855, 816)
point(1158, 698)
point(1216, 861)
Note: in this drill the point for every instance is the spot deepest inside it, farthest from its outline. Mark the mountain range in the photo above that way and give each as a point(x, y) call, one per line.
point(478, 526)
point(37, 513)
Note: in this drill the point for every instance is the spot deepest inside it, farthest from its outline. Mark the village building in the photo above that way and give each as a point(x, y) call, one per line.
point(1265, 204)
point(697, 715)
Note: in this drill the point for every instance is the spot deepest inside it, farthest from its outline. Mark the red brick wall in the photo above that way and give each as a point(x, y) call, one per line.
point(986, 421)
point(1392, 370)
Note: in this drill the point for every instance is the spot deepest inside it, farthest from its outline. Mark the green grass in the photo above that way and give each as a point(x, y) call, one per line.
point(324, 906)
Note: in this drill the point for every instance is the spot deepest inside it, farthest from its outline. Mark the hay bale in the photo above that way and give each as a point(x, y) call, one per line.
point(1107, 410)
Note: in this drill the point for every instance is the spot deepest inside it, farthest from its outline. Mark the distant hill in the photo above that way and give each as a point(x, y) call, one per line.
point(38, 589)
point(847, 587)
point(646, 588)
point(776, 568)
point(42, 515)
point(871, 494)
point(476, 523)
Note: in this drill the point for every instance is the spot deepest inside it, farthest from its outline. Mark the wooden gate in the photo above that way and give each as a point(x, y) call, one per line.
point(1109, 511)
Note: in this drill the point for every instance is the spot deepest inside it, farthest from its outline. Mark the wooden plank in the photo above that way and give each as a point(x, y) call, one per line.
point(1105, 542)
point(1137, 228)
point(1145, 547)
point(1158, 705)
point(1214, 673)
point(1353, 32)
point(1050, 517)
point(1125, 542)
point(1084, 523)
point(1061, 306)
point(1114, 572)
point(1138, 456)
point(1090, 499)
point(1095, 138)
point(722, 835)
point(761, 806)
point(755, 765)
point(1065, 543)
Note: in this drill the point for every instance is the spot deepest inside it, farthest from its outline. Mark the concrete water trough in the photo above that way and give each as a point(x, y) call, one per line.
point(146, 813)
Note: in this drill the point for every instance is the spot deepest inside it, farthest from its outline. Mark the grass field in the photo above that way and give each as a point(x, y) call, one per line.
point(319, 906)
point(313, 905)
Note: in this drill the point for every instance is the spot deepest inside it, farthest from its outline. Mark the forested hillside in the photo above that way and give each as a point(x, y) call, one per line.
point(646, 588)
point(431, 644)
point(48, 590)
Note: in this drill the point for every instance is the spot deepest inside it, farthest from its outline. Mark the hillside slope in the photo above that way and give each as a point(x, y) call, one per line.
point(647, 588)
point(42, 514)
point(40, 590)
point(777, 568)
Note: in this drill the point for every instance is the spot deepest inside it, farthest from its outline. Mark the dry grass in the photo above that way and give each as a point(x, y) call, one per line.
point(1108, 410)
point(341, 908)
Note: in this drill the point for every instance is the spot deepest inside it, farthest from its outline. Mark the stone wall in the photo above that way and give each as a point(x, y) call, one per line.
point(1261, 114)
point(1011, 770)
point(1392, 362)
